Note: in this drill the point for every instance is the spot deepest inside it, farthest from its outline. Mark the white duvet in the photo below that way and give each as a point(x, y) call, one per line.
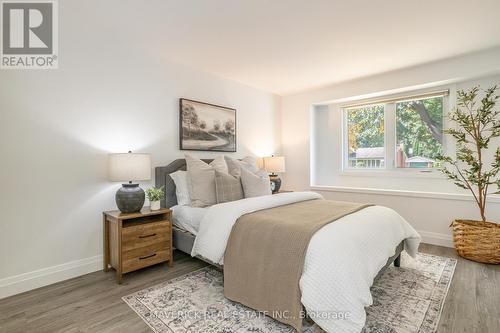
point(341, 261)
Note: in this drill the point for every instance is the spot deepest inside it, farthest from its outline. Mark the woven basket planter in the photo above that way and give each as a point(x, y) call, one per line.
point(477, 240)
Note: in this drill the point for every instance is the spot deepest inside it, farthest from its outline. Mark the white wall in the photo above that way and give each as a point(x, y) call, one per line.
point(429, 202)
point(57, 127)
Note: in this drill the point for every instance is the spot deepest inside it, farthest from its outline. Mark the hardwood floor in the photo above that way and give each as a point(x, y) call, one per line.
point(92, 303)
point(473, 301)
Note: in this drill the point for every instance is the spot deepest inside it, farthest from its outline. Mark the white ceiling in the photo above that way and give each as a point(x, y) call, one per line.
point(286, 46)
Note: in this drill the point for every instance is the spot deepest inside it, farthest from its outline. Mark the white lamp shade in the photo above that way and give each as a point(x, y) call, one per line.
point(274, 164)
point(129, 167)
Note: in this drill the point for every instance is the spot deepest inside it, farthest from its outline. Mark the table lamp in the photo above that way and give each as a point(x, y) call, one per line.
point(273, 165)
point(129, 167)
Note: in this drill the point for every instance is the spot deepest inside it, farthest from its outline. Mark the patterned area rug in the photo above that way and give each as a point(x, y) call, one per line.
point(405, 300)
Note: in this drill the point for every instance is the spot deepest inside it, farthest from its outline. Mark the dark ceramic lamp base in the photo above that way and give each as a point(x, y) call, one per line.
point(130, 198)
point(275, 183)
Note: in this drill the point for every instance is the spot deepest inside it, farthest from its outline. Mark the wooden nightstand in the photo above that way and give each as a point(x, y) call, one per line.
point(137, 240)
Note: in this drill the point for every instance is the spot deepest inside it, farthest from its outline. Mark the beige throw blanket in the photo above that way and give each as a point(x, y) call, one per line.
point(265, 255)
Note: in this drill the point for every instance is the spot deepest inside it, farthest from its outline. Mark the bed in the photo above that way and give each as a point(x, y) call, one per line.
point(186, 241)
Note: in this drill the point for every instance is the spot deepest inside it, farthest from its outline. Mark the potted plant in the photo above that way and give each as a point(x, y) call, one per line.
point(478, 124)
point(154, 196)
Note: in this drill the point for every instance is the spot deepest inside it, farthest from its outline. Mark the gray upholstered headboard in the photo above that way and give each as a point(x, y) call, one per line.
point(162, 178)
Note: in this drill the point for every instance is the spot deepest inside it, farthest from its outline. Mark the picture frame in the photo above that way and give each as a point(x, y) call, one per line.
point(206, 127)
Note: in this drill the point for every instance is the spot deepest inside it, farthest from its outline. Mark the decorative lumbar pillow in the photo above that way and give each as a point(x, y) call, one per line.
point(227, 187)
point(234, 166)
point(201, 180)
point(180, 179)
point(255, 184)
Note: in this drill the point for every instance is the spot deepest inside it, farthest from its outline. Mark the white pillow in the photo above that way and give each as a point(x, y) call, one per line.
point(201, 180)
point(234, 166)
point(180, 179)
point(255, 184)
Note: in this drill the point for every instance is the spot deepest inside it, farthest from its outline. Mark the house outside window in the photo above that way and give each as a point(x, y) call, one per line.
point(366, 137)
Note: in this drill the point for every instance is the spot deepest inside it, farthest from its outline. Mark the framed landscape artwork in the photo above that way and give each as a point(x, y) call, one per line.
point(206, 126)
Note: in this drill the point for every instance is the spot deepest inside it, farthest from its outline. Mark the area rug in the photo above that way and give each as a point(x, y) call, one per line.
point(408, 299)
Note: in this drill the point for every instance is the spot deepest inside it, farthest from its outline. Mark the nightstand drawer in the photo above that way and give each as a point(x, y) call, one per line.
point(139, 236)
point(142, 257)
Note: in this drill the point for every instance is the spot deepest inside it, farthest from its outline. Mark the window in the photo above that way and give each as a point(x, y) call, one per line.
point(366, 142)
point(419, 132)
point(404, 133)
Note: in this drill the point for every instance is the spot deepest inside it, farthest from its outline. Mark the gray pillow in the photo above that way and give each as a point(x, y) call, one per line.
point(234, 166)
point(201, 180)
point(227, 187)
point(255, 184)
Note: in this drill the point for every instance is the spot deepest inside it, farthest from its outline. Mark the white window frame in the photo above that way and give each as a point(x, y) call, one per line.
point(389, 136)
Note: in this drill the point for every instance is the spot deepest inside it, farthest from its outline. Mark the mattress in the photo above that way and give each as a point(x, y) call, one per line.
point(188, 218)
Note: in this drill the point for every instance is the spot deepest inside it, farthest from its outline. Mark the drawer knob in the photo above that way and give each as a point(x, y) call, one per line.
point(146, 257)
point(146, 236)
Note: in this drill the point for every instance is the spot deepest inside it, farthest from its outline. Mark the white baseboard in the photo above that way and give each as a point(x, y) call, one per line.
point(435, 238)
point(23, 282)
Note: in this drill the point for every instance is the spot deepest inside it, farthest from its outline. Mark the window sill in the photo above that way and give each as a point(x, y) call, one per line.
point(402, 193)
point(393, 173)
